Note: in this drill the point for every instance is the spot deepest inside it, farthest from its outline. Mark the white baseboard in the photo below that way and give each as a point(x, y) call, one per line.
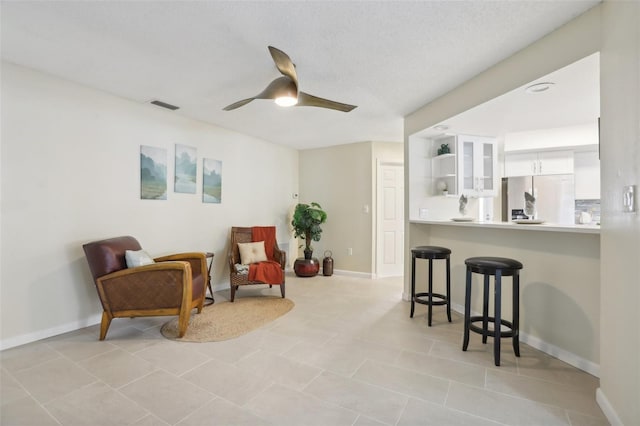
point(367, 275)
point(607, 408)
point(563, 355)
point(65, 328)
point(50, 332)
point(219, 287)
point(556, 352)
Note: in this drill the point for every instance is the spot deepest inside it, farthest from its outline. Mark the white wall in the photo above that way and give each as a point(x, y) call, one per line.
point(392, 152)
point(339, 178)
point(70, 174)
point(342, 180)
point(619, 391)
point(558, 138)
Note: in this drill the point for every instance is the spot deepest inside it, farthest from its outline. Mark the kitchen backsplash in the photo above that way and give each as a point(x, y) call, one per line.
point(592, 207)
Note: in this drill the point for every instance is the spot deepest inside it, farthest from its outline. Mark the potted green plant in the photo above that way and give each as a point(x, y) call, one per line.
point(444, 149)
point(306, 222)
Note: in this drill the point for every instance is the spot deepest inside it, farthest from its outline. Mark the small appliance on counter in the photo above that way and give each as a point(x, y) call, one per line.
point(518, 214)
point(587, 212)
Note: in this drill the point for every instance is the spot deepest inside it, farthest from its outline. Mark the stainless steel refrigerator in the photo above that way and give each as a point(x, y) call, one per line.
point(555, 197)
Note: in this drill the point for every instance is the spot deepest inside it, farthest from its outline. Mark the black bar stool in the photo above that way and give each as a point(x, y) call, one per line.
point(430, 252)
point(499, 267)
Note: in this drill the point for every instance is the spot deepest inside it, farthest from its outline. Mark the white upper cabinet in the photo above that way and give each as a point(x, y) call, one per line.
point(469, 168)
point(555, 162)
point(477, 164)
point(520, 164)
point(587, 175)
point(538, 163)
point(547, 151)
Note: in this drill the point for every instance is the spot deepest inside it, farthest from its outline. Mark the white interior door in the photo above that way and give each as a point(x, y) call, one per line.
point(390, 220)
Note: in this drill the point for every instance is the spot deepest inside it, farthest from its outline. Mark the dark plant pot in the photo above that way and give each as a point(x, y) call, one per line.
point(306, 267)
point(308, 254)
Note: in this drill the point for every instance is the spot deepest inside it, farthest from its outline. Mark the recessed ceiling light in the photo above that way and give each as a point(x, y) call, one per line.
point(441, 127)
point(539, 87)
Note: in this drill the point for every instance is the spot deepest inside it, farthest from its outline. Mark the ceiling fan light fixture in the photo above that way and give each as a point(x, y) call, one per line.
point(284, 90)
point(286, 101)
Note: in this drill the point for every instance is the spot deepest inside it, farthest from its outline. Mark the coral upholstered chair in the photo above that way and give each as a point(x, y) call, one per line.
point(274, 263)
point(172, 285)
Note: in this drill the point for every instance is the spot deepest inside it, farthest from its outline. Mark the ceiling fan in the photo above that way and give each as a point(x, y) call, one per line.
point(284, 90)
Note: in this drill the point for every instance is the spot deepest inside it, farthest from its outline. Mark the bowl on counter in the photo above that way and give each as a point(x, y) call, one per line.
point(529, 221)
point(463, 219)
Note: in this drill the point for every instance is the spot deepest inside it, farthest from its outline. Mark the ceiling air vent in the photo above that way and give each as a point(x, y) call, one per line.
point(165, 105)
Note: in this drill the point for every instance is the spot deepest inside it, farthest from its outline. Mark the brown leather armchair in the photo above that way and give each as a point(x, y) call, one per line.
point(174, 285)
point(236, 279)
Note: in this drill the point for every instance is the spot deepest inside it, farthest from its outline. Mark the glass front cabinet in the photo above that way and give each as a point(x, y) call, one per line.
point(468, 166)
point(477, 164)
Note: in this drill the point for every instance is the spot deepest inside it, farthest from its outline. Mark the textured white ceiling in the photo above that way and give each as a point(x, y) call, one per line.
point(574, 99)
point(387, 57)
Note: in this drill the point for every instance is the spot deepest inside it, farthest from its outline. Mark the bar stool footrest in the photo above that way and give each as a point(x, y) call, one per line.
point(442, 299)
point(480, 330)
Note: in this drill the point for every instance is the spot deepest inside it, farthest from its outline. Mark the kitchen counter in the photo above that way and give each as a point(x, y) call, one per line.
point(549, 227)
point(559, 284)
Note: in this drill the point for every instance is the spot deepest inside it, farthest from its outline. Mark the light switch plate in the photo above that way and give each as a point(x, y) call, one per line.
point(629, 198)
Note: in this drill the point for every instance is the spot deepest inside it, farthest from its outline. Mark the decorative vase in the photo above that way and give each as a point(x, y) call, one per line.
point(306, 267)
point(327, 264)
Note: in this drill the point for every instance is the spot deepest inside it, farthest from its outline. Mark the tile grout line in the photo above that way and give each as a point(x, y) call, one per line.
point(373, 315)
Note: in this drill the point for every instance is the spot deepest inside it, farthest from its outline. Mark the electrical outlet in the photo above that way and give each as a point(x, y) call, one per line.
point(350, 251)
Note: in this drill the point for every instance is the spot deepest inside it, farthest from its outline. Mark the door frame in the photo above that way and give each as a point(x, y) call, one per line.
point(377, 222)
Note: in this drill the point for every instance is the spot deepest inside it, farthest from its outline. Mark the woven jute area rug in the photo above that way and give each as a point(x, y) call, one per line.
point(226, 320)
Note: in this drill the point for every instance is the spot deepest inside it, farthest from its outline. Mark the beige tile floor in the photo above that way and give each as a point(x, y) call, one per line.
point(347, 354)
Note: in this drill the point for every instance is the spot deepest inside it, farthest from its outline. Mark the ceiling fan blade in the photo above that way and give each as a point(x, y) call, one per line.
point(238, 104)
point(284, 63)
point(305, 99)
point(281, 86)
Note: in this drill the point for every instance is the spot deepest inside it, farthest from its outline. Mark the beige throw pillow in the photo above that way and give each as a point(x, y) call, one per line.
point(137, 258)
point(252, 252)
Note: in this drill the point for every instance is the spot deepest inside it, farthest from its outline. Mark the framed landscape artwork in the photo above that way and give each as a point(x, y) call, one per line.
point(185, 170)
point(211, 181)
point(153, 173)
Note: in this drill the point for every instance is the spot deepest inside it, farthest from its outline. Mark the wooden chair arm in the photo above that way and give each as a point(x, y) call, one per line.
point(181, 256)
point(280, 256)
point(160, 266)
point(231, 261)
point(197, 260)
